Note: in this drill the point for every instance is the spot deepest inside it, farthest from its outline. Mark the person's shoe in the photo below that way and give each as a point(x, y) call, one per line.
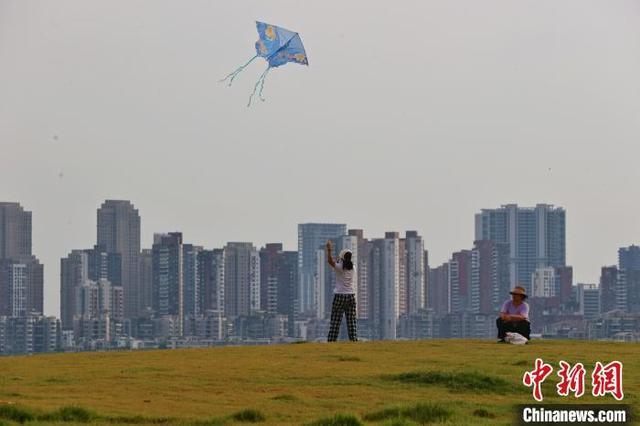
point(501, 341)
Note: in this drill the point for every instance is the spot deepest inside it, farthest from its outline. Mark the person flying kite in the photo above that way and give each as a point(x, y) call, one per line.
point(277, 46)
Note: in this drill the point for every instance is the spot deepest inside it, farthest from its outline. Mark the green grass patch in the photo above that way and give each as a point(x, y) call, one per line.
point(71, 414)
point(521, 362)
point(210, 422)
point(135, 370)
point(285, 397)
point(56, 380)
point(347, 358)
point(244, 416)
point(471, 381)
point(399, 422)
point(338, 420)
point(481, 412)
point(420, 413)
point(249, 416)
point(136, 420)
point(16, 413)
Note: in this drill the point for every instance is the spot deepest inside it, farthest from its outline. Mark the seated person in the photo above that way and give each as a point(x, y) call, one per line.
point(514, 315)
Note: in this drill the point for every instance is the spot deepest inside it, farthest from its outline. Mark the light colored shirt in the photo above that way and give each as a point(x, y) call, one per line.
point(509, 308)
point(344, 280)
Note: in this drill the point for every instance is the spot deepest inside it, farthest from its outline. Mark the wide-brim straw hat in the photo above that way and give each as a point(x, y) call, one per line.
point(520, 291)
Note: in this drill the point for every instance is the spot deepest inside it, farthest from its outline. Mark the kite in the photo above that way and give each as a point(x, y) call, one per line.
point(277, 46)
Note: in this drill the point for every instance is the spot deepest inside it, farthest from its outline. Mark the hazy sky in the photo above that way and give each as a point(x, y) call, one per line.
point(411, 115)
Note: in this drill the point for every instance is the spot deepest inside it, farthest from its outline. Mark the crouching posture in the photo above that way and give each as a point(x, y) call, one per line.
point(514, 315)
point(344, 297)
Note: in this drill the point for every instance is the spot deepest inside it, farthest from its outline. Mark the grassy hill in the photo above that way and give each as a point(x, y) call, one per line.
point(450, 381)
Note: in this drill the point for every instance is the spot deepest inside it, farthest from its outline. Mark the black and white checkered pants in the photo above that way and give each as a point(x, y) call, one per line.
point(343, 303)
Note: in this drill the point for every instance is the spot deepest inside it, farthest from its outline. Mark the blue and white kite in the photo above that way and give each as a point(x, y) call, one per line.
point(277, 46)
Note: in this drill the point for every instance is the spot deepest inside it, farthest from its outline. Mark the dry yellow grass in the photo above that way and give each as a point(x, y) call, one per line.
point(298, 383)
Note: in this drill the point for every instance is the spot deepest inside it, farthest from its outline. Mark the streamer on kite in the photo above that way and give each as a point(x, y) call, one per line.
point(278, 47)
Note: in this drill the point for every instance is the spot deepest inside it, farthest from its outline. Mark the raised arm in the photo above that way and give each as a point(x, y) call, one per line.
point(329, 256)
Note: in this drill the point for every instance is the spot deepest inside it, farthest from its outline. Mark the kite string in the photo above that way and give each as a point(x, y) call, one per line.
point(260, 83)
point(264, 78)
point(237, 71)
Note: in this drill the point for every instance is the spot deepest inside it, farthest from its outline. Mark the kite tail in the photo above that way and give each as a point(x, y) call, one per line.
point(237, 71)
point(260, 83)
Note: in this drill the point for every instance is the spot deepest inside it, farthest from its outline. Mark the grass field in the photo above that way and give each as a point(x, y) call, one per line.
point(387, 383)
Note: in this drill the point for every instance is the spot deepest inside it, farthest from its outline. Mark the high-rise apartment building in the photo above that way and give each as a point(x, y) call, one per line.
point(74, 271)
point(402, 277)
point(192, 298)
point(15, 231)
point(99, 300)
point(22, 279)
point(485, 285)
point(168, 277)
point(536, 237)
point(438, 291)
point(588, 298)
point(631, 286)
point(460, 270)
point(29, 334)
point(543, 282)
point(272, 284)
point(212, 280)
point(628, 289)
point(385, 285)
point(14, 289)
point(362, 266)
point(241, 279)
point(118, 231)
point(414, 272)
point(609, 279)
point(278, 281)
point(311, 237)
point(83, 266)
point(564, 282)
point(629, 258)
point(145, 277)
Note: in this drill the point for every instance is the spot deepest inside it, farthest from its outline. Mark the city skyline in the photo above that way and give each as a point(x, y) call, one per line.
point(433, 263)
point(194, 295)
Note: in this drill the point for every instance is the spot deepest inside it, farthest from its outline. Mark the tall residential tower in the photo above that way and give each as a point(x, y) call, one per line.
point(311, 237)
point(119, 232)
point(21, 274)
point(536, 237)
